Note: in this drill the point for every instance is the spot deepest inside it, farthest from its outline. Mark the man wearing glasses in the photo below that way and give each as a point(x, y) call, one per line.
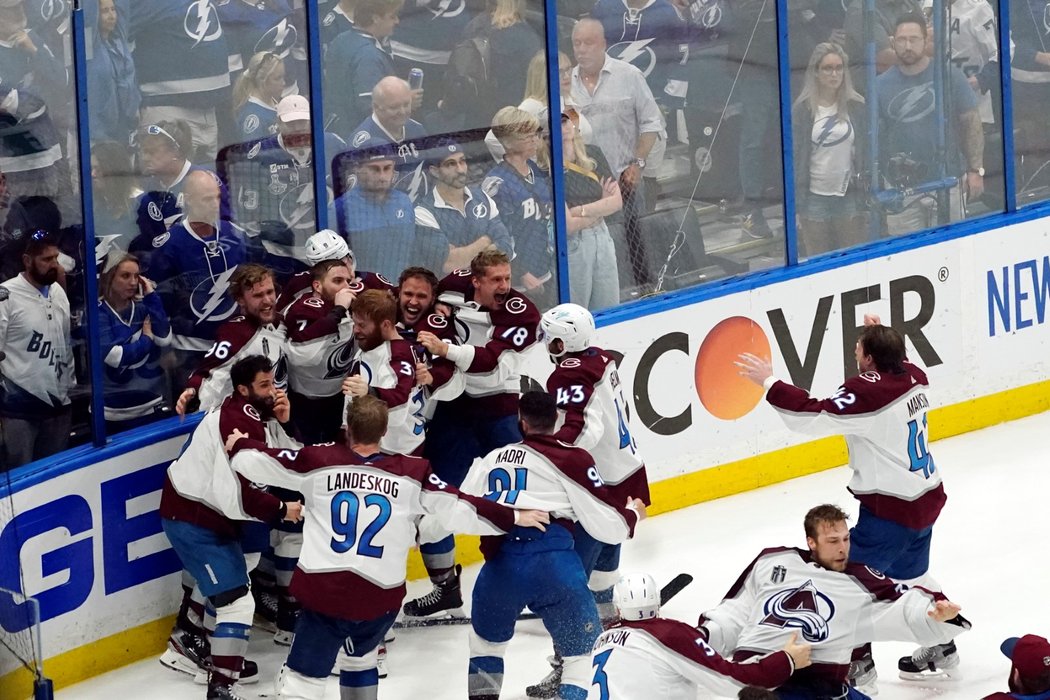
point(37, 364)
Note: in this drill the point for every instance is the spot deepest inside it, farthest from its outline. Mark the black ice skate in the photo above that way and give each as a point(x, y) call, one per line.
point(222, 691)
point(187, 652)
point(863, 676)
point(929, 663)
point(446, 598)
point(548, 687)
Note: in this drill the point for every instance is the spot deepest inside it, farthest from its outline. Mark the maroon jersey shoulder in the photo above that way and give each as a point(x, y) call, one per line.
point(516, 310)
point(588, 367)
point(373, 280)
point(237, 414)
point(875, 390)
point(306, 307)
point(457, 281)
point(439, 325)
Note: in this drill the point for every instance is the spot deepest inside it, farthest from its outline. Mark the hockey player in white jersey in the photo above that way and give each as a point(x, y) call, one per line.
point(835, 604)
point(541, 570)
point(258, 331)
point(351, 575)
point(645, 655)
point(586, 387)
point(882, 413)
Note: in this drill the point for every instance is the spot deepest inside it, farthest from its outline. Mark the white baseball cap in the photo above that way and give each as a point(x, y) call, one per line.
point(293, 108)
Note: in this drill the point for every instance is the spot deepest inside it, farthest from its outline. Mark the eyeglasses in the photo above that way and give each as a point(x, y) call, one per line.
point(833, 70)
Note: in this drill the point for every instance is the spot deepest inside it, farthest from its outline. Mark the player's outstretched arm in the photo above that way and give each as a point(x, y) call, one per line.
point(944, 610)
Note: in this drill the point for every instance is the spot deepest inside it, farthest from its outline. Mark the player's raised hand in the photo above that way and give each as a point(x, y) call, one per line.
point(799, 653)
point(944, 610)
point(423, 375)
point(294, 511)
point(184, 398)
point(532, 518)
point(355, 385)
point(233, 438)
point(282, 409)
point(638, 506)
point(434, 345)
point(344, 298)
point(755, 368)
point(872, 320)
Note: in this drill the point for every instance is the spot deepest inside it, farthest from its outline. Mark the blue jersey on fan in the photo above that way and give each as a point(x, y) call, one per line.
point(410, 160)
point(264, 26)
point(134, 380)
point(654, 39)
point(256, 120)
point(427, 30)
point(158, 208)
point(356, 61)
point(181, 52)
point(525, 206)
point(333, 23)
point(193, 280)
point(381, 233)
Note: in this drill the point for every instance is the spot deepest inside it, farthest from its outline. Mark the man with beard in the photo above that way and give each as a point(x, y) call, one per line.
point(326, 244)
point(384, 367)
point(466, 220)
point(204, 506)
point(259, 331)
point(375, 218)
point(37, 360)
point(495, 326)
point(835, 604)
point(320, 348)
point(909, 126)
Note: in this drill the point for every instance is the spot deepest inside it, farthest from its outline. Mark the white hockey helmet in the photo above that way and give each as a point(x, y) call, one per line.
point(637, 597)
point(326, 244)
point(572, 324)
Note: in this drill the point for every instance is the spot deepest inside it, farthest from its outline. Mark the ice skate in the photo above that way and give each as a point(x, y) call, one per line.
point(446, 599)
point(929, 663)
point(548, 687)
point(187, 652)
point(863, 676)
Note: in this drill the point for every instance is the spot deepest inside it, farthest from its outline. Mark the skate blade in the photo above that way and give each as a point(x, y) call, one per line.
point(937, 676)
point(201, 678)
point(179, 663)
point(450, 614)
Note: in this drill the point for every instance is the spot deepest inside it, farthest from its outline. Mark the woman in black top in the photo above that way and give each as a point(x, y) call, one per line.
point(592, 193)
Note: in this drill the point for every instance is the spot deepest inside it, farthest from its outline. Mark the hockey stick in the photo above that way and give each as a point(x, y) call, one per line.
point(670, 590)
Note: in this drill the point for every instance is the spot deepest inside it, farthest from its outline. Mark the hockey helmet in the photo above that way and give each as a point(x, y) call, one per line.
point(326, 244)
point(637, 597)
point(572, 324)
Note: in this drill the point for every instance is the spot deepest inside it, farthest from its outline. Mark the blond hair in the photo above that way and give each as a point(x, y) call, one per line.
point(260, 68)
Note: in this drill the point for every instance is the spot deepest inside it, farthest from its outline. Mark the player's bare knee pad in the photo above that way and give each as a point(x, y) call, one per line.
point(602, 580)
point(345, 662)
point(483, 647)
point(236, 607)
point(292, 685)
point(577, 671)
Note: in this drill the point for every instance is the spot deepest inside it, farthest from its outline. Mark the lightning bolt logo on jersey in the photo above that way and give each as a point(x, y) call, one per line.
point(202, 22)
point(653, 38)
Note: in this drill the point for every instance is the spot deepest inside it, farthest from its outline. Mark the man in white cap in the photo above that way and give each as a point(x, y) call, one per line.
point(271, 184)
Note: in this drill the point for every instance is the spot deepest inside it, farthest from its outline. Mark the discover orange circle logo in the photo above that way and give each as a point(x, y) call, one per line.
point(722, 391)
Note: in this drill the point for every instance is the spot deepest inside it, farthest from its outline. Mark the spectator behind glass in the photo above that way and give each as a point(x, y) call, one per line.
point(390, 123)
point(375, 218)
point(535, 100)
point(356, 61)
point(256, 94)
point(1029, 668)
point(591, 194)
point(112, 84)
point(132, 328)
point(511, 39)
point(164, 150)
point(522, 192)
point(830, 129)
point(114, 195)
point(27, 61)
point(336, 21)
point(37, 364)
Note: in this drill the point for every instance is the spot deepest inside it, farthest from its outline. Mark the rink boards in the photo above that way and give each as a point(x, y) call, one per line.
point(973, 309)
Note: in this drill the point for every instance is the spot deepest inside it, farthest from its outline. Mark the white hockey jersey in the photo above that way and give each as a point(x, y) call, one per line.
point(236, 339)
point(35, 337)
point(320, 346)
point(883, 417)
point(784, 591)
point(587, 387)
point(670, 660)
point(390, 370)
point(361, 521)
point(543, 473)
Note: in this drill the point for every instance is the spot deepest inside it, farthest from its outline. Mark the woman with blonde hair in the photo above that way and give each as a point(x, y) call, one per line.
point(522, 192)
point(511, 42)
point(535, 100)
point(133, 327)
point(256, 94)
point(830, 129)
point(592, 193)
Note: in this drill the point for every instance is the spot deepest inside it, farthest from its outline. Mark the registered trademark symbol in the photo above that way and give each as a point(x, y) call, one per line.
point(942, 274)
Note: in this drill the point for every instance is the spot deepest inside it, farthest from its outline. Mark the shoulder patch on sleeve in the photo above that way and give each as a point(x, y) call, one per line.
point(359, 138)
point(570, 363)
point(490, 185)
point(160, 240)
point(251, 123)
point(250, 411)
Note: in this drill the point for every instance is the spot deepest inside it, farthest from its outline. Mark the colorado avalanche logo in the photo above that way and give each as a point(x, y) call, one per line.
point(280, 374)
point(339, 360)
point(571, 363)
point(515, 305)
point(437, 321)
point(804, 608)
point(250, 411)
point(871, 377)
point(202, 22)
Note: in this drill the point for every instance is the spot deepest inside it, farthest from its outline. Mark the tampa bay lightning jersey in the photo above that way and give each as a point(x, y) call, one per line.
point(160, 206)
point(525, 206)
point(333, 23)
point(653, 38)
point(271, 26)
point(427, 30)
point(256, 120)
point(410, 161)
point(134, 380)
point(193, 279)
